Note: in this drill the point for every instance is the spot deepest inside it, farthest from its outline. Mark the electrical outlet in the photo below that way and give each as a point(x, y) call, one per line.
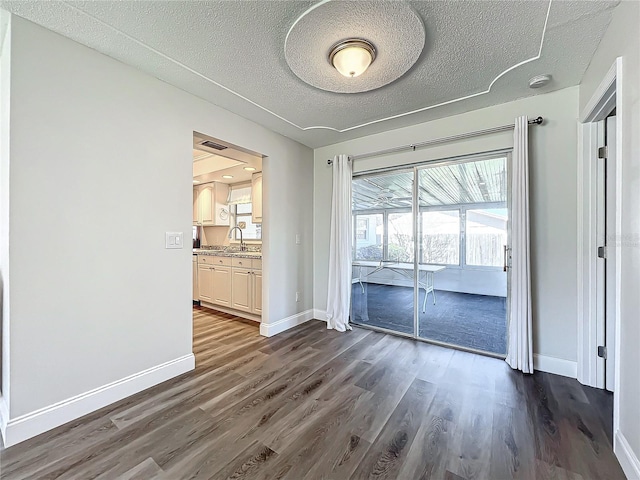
point(297, 296)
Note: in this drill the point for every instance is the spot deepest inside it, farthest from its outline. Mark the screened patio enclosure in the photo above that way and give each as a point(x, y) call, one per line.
point(428, 262)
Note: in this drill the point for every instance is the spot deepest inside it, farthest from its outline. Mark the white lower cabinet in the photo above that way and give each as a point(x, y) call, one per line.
point(196, 297)
point(257, 292)
point(205, 283)
point(241, 289)
point(238, 287)
point(222, 286)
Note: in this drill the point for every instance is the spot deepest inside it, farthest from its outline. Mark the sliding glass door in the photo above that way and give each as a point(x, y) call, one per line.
point(447, 283)
point(463, 233)
point(383, 252)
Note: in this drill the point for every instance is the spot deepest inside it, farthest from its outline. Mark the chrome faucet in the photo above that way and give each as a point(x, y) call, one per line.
point(243, 247)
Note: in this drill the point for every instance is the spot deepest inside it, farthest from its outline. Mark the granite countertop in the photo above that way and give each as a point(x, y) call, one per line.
point(227, 253)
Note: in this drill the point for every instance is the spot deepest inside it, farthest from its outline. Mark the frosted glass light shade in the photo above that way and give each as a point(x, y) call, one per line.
point(352, 57)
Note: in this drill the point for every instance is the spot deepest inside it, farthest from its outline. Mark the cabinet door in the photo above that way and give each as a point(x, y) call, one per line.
point(196, 208)
point(241, 289)
point(196, 296)
point(207, 207)
point(222, 286)
point(256, 198)
point(222, 217)
point(205, 283)
point(257, 292)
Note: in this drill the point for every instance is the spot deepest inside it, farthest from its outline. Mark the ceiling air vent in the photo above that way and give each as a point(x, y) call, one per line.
point(214, 145)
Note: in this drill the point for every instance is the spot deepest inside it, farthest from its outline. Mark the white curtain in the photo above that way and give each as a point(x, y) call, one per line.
point(339, 295)
point(520, 347)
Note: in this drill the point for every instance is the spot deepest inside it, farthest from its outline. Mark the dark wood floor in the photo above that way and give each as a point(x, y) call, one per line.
point(317, 404)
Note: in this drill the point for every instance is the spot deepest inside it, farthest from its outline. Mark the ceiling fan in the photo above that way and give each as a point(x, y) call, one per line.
point(386, 197)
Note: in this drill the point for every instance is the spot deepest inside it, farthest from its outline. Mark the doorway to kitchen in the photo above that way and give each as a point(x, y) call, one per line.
point(430, 246)
point(227, 231)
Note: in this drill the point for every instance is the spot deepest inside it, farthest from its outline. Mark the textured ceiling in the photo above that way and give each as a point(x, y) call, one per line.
point(399, 39)
point(232, 54)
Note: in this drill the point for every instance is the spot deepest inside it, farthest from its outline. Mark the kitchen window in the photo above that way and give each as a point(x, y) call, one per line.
point(242, 218)
point(240, 207)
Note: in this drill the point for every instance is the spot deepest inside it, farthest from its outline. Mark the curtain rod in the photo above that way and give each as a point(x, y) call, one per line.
point(436, 141)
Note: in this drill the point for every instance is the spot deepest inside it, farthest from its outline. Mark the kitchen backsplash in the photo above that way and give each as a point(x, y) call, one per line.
point(232, 248)
point(218, 236)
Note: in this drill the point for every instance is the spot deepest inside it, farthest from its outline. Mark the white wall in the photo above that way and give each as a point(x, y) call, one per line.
point(101, 160)
point(5, 77)
point(553, 150)
point(623, 39)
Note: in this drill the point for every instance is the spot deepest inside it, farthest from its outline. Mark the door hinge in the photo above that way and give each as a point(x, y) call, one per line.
point(602, 352)
point(602, 252)
point(603, 152)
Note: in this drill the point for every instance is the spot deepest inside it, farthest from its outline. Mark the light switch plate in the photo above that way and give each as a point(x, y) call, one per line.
point(297, 239)
point(173, 240)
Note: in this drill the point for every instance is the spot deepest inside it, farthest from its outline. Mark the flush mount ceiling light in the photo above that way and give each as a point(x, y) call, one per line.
point(227, 176)
point(539, 81)
point(321, 49)
point(250, 169)
point(352, 57)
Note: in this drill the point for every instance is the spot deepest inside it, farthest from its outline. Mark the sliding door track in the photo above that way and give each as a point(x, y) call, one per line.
point(432, 342)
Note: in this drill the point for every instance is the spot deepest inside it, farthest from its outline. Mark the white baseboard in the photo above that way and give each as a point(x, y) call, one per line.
point(4, 413)
point(271, 329)
point(34, 423)
point(559, 366)
point(626, 456)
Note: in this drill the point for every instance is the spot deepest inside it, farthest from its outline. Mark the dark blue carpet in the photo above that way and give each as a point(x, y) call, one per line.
point(472, 321)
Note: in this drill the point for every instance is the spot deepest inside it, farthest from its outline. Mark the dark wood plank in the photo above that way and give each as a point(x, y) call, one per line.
point(386, 456)
point(316, 404)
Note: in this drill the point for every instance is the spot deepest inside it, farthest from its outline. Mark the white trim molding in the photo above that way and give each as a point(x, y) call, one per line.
point(271, 329)
point(558, 366)
point(607, 96)
point(39, 421)
point(177, 63)
point(604, 97)
point(4, 414)
point(320, 314)
point(628, 460)
point(586, 326)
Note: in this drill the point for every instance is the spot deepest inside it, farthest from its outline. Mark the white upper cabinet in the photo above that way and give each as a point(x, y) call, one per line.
point(196, 209)
point(207, 204)
point(212, 208)
point(256, 197)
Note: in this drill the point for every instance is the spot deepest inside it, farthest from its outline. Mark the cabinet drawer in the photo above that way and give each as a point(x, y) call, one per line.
point(256, 263)
point(210, 260)
point(241, 262)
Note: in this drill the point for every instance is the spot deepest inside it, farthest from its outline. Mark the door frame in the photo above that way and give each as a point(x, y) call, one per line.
point(605, 98)
point(415, 168)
